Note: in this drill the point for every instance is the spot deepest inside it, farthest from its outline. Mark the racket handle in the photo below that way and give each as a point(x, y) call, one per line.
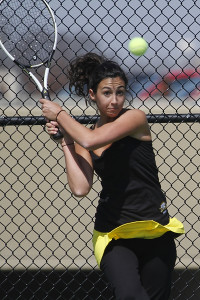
point(58, 135)
point(45, 94)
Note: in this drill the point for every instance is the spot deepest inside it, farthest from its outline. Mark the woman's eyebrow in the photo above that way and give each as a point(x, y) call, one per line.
point(108, 87)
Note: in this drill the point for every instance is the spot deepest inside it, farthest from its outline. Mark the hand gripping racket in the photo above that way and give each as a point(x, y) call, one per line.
point(28, 36)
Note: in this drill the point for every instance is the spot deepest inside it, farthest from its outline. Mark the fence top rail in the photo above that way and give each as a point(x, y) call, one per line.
point(152, 118)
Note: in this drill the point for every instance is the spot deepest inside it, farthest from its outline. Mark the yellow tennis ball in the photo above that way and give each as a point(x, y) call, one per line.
point(137, 46)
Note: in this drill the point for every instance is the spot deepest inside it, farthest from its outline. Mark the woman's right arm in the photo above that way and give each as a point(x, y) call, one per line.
point(79, 168)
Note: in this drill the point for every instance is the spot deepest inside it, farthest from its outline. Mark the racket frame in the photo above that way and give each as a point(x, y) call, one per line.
point(43, 89)
point(47, 64)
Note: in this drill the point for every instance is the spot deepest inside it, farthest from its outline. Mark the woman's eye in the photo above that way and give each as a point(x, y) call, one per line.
point(120, 93)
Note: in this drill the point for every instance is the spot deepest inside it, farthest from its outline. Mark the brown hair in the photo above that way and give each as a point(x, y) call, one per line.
point(87, 71)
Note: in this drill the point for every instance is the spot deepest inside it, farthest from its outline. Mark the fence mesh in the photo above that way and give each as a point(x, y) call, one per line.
point(45, 232)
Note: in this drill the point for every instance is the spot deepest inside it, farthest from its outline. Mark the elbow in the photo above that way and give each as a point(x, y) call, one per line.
point(90, 144)
point(79, 193)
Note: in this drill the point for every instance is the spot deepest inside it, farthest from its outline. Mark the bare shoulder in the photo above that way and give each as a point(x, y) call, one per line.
point(133, 111)
point(134, 114)
point(138, 122)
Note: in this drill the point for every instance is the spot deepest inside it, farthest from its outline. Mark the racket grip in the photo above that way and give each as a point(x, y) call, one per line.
point(58, 135)
point(45, 94)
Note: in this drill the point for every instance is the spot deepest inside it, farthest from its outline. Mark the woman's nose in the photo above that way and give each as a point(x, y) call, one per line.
point(114, 99)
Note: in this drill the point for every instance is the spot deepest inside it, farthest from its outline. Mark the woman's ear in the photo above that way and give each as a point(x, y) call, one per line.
point(92, 95)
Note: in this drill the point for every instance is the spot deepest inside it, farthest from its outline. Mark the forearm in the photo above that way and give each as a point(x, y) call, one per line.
point(79, 171)
point(81, 134)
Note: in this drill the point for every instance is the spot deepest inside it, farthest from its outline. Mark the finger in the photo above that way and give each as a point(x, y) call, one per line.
point(54, 123)
point(51, 124)
point(52, 131)
point(42, 101)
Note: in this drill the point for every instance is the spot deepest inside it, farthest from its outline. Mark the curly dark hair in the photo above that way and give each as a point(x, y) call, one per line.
point(87, 71)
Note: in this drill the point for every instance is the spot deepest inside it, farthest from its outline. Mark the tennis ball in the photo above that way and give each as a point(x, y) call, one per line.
point(137, 46)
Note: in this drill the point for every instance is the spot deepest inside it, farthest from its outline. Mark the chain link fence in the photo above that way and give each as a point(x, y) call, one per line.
point(45, 232)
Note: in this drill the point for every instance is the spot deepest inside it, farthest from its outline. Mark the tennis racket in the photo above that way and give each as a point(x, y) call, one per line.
point(28, 36)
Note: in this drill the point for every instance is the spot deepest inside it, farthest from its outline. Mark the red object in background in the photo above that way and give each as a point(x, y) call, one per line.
point(163, 86)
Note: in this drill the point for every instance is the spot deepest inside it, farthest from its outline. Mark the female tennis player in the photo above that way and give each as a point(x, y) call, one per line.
point(133, 233)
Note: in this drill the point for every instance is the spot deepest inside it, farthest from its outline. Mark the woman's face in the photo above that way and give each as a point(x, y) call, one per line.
point(110, 96)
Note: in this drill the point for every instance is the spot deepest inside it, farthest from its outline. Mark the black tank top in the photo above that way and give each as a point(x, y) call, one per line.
point(130, 186)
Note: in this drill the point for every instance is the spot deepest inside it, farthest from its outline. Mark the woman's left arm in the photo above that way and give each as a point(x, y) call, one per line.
point(132, 122)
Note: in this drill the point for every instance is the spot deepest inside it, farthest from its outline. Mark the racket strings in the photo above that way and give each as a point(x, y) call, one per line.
point(27, 31)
